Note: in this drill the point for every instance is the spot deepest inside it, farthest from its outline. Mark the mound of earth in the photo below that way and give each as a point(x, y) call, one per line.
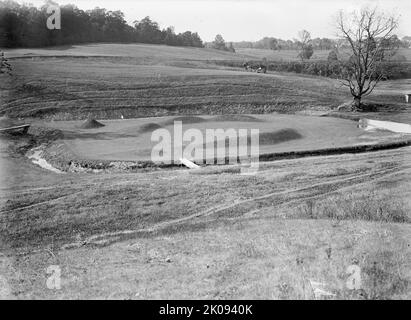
point(235, 117)
point(91, 124)
point(149, 127)
point(269, 138)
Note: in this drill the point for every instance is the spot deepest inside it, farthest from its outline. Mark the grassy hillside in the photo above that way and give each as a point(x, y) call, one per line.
point(108, 80)
point(71, 87)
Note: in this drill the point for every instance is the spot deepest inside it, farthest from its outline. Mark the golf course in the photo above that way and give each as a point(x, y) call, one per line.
point(327, 195)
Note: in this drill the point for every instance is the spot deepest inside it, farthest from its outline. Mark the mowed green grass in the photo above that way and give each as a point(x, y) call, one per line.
point(130, 140)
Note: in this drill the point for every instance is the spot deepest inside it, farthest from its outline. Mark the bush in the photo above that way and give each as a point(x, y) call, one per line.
point(332, 56)
point(325, 68)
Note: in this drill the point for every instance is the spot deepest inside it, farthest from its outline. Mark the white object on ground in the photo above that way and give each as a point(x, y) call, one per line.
point(318, 290)
point(318, 293)
point(37, 159)
point(407, 97)
point(368, 124)
point(189, 164)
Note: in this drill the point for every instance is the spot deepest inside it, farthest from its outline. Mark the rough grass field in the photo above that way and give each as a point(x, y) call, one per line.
point(217, 234)
point(212, 233)
point(107, 81)
point(65, 89)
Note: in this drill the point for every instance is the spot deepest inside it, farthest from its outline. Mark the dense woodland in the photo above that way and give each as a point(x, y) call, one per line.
point(25, 26)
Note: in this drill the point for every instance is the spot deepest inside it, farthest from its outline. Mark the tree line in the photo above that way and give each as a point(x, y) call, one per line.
point(272, 43)
point(26, 26)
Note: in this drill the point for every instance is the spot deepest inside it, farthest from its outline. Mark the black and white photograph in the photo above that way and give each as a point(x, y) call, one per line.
point(223, 151)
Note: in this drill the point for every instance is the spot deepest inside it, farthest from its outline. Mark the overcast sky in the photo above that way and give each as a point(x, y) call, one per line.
point(240, 20)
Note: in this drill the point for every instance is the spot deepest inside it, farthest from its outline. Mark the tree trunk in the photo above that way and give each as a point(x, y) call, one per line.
point(356, 103)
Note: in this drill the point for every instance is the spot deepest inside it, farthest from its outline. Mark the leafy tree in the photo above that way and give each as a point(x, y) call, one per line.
point(332, 56)
point(406, 42)
point(273, 44)
point(5, 67)
point(306, 48)
point(25, 26)
point(169, 36)
point(306, 52)
point(219, 43)
point(148, 31)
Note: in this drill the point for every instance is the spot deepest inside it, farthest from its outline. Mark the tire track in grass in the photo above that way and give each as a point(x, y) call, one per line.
point(301, 199)
point(40, 203)
point(111, 237)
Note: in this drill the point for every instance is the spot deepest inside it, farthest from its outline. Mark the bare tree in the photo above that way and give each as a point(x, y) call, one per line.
point(369, 34)
point(305, 45)
point(305, 37)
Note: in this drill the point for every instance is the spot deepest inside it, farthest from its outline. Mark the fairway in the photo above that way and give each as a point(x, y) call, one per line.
point(130, 140)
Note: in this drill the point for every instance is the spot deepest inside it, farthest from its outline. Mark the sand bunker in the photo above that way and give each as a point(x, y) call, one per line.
point(36, 158)
point(149, 127)
point(369, 125)
point(129, 140)
point(269, 138)
point(91, 124)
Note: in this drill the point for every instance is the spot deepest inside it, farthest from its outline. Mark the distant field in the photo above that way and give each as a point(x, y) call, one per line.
point(292, 55)
point(140, 51)
point(108, 81)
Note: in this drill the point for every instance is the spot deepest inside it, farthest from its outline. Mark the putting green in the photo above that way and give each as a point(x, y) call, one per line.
point(130, 140)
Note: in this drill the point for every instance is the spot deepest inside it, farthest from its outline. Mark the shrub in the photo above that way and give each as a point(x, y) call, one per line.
point(332, 56)
point(333, 68)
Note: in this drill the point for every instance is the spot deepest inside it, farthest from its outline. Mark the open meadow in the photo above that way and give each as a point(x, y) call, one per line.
point(209, 233)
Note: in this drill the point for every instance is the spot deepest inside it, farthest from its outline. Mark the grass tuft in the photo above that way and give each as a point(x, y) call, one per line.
point(369, 207)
